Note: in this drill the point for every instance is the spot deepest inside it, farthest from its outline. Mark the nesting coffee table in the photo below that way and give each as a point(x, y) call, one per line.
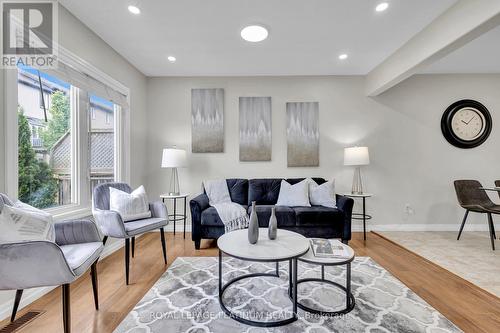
point(350, 302)
point(288, 246)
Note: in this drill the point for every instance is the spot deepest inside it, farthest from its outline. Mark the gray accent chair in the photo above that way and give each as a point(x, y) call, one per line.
point(35, 264)
point(473, 199)
point(112, 225)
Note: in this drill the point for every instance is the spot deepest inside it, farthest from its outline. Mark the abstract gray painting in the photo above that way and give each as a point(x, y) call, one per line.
point(207, 120)
point(255, 128)
point(302, 134)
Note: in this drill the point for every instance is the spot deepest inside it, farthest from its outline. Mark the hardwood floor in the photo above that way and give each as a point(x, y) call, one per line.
point(468, 306)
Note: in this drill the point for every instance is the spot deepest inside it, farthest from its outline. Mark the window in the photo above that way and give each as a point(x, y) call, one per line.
point(44, 156)
point(56, 155)
point(101, 138)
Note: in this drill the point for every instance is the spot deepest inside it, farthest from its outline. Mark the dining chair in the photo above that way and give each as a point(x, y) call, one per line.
point(112, 224)
point(32, 264)
point(474, 199)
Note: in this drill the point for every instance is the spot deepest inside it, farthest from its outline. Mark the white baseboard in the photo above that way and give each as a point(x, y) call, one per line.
point(31, 295)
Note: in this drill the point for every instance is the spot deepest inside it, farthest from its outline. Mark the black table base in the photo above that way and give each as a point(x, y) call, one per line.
point(293, 297)
point(350, 301)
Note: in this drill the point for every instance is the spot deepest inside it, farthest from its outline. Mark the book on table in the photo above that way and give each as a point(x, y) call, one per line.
point(328, 248)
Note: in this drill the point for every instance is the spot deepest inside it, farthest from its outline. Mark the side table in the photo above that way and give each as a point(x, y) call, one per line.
point(177, 217)
point(361, 216)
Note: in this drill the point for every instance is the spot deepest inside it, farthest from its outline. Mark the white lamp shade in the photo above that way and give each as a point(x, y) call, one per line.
point(356, 156)
point(173, 158)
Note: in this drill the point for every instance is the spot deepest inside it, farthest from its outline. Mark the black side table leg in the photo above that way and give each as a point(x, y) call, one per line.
point(175, 213)
point(364, 218)
point(322, 272)
point(295, 285)
point(185, 214)
point(290, 282)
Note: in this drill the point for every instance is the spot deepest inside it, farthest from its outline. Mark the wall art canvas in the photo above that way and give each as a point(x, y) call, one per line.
point(302, 134)
point(255, 129)
point(207, 120)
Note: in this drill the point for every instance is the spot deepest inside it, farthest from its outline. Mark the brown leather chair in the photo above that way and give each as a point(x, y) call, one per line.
point(473, 199)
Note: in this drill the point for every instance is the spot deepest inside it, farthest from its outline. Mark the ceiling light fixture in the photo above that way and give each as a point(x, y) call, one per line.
point(343, 56)
point(382, 6)
point(171, 58)
point(134, 10)
point(254, 33)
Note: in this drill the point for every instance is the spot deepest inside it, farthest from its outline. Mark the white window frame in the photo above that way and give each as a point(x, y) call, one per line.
point(79, 160)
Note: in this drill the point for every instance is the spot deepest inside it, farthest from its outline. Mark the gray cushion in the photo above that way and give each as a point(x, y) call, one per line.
point(139, 226)
point(81, 256)
point(317, 216)
point(285, 215)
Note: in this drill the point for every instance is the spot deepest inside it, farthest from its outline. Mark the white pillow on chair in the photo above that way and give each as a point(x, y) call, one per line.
point(322, 195)
point(22, 223)
point(294, 195)
point(130, 206)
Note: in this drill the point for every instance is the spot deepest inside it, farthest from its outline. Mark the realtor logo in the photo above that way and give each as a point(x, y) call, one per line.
point(29, 33)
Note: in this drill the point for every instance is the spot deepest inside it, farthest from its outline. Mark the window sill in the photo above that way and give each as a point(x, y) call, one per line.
point(70, 212)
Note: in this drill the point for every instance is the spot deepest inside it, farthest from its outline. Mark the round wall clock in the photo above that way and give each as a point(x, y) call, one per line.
point(466, 124)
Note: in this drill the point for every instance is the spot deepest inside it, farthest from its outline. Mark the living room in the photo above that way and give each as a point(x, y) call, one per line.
point(360, 122)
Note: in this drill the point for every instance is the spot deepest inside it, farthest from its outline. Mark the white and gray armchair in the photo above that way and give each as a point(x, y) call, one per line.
point(32, 264)
point(112, 224)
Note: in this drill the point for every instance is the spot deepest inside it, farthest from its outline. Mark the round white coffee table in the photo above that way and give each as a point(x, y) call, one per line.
point(288, 246)
point(350, 301)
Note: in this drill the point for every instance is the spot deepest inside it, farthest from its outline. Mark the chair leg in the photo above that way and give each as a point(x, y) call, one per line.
point(163, 246)
point(93, 273)
point(66, 300)
point(493, 228)
point(133, 246)
point(463, 223)
point(127, 258)
point(19, 294)
point(490, 224)
point(104, 240)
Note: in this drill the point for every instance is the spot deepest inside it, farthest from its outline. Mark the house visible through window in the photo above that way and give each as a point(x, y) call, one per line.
point(44, 148)
point(49, 167)
point(102, 137)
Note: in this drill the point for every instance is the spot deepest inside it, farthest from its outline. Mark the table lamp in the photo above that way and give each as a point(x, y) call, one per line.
point(173, 158)
point(356, 156)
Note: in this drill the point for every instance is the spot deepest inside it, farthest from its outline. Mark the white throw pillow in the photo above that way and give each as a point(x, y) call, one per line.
point(294, 195)
point(130, 206)
point(22, 222)
point(322, 195)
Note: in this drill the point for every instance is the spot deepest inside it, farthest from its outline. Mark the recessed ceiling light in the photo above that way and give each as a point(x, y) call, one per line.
point(254, 33)
point(134, 10)
point(382, 6)
point(343, 56)
point(171, 58)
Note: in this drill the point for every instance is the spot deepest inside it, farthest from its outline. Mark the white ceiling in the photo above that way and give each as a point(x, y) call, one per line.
point(482, 55)
point(305, 38)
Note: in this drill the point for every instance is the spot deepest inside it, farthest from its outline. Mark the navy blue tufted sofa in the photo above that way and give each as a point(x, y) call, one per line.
point(315, 221)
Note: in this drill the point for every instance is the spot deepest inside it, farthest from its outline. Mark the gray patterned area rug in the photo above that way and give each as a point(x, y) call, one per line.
point(185, 299)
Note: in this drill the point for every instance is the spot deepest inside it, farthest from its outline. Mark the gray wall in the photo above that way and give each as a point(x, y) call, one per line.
point(411, 163)
point(77, 38)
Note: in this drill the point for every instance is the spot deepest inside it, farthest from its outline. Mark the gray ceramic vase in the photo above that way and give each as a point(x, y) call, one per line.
point(273, 225)
point(253, 226)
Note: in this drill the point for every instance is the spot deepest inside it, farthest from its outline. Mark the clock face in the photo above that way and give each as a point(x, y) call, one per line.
point(466, 124)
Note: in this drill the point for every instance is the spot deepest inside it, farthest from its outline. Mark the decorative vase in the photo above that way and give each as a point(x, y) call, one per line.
point(253, 226)
point(273, 225)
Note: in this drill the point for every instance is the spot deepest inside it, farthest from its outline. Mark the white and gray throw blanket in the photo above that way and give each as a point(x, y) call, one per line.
point(233, 215)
